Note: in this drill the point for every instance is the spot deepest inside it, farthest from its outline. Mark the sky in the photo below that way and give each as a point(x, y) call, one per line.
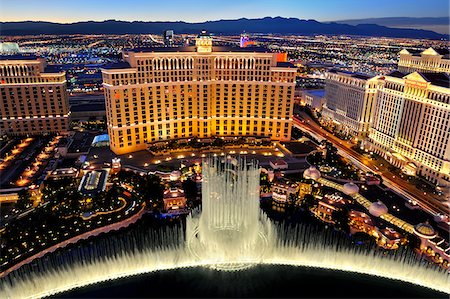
point(67, 11)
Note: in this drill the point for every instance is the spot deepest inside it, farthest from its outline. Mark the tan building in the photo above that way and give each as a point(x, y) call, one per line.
point(174, 199)
point(411, 124)
point(327, 205)
point(433, 245)
point(33, 100)
point(428, 61)
point(283, 190)
point(348, 101)
point(199, 91)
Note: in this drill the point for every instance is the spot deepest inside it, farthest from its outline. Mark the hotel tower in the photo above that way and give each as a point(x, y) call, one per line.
point(411, 124)
point(197, 91)
point(32, 99)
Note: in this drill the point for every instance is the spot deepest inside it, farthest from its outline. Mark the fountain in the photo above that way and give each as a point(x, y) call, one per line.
point(230, 233)
point(231, 227)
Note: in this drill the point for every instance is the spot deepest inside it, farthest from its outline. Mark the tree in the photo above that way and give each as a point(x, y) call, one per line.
point(292, 199)
point(413, 240)
point(24, 200)
point(190, 189)
point(341, 219)
point(308, 202)
point(332, 153)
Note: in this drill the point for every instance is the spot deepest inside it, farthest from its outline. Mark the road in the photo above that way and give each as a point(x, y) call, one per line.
point(430, 202)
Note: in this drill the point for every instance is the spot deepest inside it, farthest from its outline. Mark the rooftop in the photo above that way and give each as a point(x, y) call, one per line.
point(441, 51)
point(117, 65)
point(438, 79)
point(19, 57)
point(316, 92)
point(285, 64)
point(351, 74)
point(81, 142)
point(390, 234)
point(397, 74)
point(88, 107)
point(193, 49)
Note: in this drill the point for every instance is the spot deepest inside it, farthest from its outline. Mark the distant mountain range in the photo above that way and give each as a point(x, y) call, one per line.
point(437, 24)
point(277, 25)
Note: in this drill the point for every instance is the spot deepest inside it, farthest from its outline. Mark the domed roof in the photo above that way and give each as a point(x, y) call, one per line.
point(424, 230)
point(377, 209)
point(175, 175)
point(311, 173)
point(350, 189)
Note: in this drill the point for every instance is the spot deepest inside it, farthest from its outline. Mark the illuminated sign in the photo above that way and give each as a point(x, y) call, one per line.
point(416, 84)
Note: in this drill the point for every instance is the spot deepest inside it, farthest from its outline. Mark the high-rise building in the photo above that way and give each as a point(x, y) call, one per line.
point(349, 99)
point(428, 61)
point(198, 91)
point(168, 37)
point(411, 124)
point(33, 100)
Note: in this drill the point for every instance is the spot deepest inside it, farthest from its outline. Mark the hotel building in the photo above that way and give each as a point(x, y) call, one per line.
point(197, 91)
point(348, 101)
point(428, 61)
point(411, 124)
point(33, 100)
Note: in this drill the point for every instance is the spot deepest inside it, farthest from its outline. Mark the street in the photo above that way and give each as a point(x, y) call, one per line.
point(429, 202)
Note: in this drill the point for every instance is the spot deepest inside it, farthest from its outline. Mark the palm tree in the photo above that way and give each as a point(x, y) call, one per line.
point(341, 219)
point(24, 200)
point(308, 202)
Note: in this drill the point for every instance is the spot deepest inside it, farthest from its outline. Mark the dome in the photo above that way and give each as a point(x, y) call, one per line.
point(424, 230)
point(311, 173)
point(350, 189)
point(175, 175)
point(377, 209)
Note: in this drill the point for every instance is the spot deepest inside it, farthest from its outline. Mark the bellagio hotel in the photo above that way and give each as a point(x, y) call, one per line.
point(33, 100)
point(197, 91)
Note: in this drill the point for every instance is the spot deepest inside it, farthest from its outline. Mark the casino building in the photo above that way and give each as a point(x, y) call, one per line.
point(428, 61)
point(411, 124)
point(197, 91)
point(33, 99)
point(349, 100)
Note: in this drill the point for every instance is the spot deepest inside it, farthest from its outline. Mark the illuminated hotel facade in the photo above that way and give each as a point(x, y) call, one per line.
point(411, 124)
point(33, 101)
point(428, 61)
point(199, 91)
point(349, 100)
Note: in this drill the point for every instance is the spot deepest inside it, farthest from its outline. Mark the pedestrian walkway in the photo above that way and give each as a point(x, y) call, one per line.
point(366, 204)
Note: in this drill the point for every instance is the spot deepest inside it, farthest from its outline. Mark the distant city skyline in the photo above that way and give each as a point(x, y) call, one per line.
point(200, 11)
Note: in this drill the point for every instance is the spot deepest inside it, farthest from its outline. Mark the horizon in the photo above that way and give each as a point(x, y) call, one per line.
point(196, 11)
point(213, 20)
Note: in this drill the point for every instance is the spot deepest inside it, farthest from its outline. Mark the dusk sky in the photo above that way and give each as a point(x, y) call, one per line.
point(197, 10)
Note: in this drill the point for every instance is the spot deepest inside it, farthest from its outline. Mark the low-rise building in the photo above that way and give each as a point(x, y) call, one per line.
point(313, 98)
point(432, 245)
point(284, 190)
point(278, 164)
point(93, 182)
point(327, 205)
point(361, 222)
point(388, 238)
point(174, 199)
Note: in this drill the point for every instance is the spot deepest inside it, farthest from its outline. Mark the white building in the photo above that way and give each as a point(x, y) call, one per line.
point(313, 98)
point(411, 124)
point(348, 101)
point(428, 61)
